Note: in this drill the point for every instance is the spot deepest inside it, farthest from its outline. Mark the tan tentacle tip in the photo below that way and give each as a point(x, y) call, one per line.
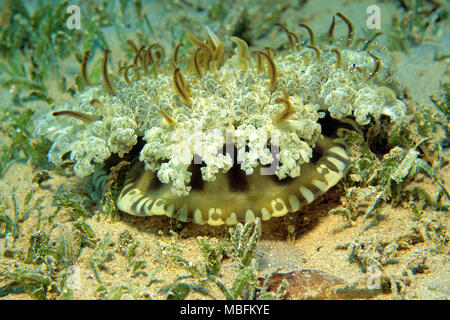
point(167, 117)
point(84, 67)
point(105, 74)
point(243, 52)
point(175, 52)
point(272, 67)
point(181, 87)
point(316, 50)
point(75, 114)
point(330, 34)
point(350, 28)
point(287, 112)
point(312, 40)
point(292, 37)
point(377, 67)
point(338, 56)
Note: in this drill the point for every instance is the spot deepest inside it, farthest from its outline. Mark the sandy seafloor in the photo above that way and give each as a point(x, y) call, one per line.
point(315, 244)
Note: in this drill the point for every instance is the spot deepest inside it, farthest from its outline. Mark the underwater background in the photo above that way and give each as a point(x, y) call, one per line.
point(380, 233)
